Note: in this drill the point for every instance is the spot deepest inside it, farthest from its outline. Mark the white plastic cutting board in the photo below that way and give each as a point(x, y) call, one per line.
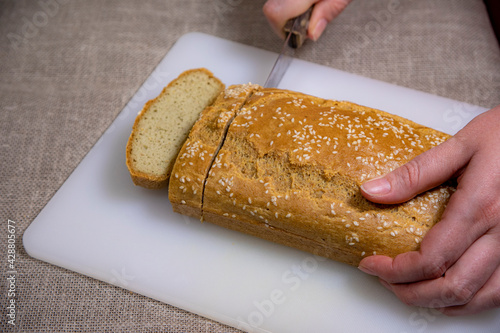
point(101, 225)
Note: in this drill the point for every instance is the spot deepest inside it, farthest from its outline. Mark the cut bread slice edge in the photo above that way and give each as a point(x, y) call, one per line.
point(199, 152)
point(162, 126)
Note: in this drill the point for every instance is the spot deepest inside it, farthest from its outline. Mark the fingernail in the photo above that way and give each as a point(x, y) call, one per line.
point(385, 284)
point(319, 28)
point(379, 186)
point(366, 270)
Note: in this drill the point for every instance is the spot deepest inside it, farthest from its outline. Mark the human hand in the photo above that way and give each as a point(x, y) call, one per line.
point(280, 11)
point(457, 268)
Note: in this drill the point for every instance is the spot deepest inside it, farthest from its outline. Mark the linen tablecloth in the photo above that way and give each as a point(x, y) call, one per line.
point(67, 68)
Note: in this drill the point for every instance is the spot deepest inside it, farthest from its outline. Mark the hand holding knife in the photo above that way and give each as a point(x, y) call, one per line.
point(296, 34)
point(297, 28)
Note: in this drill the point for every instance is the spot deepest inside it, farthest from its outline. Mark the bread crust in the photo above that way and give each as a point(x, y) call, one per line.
point(290, 168)
point(198, 152)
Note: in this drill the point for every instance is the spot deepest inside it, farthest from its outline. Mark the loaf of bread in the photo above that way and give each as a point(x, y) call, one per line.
point(287, 167)
point(162, 126)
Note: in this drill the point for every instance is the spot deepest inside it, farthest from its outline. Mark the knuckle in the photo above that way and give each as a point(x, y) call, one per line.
point(408, 296)
point(489, 209)
point(495, 298)
point(410, 174)
point(435, 269)
point(459, 292)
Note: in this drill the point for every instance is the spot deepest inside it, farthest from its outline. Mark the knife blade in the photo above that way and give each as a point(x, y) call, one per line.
point(296, 34)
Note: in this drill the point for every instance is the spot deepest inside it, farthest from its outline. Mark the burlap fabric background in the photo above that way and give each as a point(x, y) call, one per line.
point(67, 69)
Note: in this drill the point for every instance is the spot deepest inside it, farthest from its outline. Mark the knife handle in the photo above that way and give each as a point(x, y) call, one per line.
point(297, 26)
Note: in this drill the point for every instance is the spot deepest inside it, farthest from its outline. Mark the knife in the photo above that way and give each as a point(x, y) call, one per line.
point(296, 34)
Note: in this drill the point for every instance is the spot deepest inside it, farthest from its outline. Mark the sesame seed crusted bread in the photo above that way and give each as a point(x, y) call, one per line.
point(162, 126)
point(200, 148)
point(289, 170)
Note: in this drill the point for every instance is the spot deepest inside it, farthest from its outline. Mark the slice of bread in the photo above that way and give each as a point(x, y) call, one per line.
point(160, 129)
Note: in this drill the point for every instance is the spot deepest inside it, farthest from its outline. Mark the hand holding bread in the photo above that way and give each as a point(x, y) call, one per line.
point(457, 268)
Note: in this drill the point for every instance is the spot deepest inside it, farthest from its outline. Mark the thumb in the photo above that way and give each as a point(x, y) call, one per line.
point(422, 173)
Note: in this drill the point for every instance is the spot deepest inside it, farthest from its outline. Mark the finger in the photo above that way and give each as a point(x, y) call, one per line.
point(323, 13)
point(471, 212)
point(487, 298)
point(460, 283)
point(278, 12)
point(424, 172)
point(441, 247)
